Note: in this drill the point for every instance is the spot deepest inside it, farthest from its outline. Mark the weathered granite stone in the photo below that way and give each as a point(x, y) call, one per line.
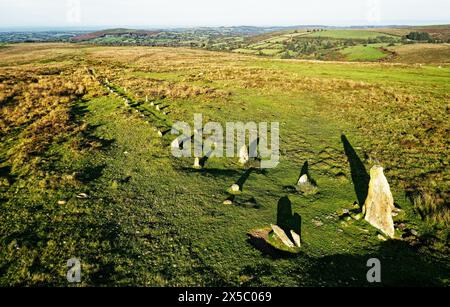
point(235, 188)
point(197, 163)
point(379, 203)
point(282, 236)
point(243, 155)
point(303, 179)
point(296, 238)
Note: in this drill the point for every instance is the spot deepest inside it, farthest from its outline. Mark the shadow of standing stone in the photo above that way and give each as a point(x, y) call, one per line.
point(285, 219)
point(359, 174)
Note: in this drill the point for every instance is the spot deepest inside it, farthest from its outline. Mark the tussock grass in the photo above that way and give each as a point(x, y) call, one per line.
point(149, 219)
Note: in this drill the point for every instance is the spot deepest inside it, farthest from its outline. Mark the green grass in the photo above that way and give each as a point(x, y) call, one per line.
point(348, 34)
point(245, 51)
point(412, 77)
point(363, 53)
point(157, 75)
point(152, 220)
point(270, 51)
point(278, 39)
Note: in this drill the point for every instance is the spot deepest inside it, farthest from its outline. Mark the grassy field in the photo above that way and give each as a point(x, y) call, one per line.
point(321, 44)
point(364, 53)
point(349, 34)
point(441, 32)
point(83, 175)
point(422, 53)
point(349, 44)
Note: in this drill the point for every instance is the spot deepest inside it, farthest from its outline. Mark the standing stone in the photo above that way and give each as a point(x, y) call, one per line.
point(306, 186)
point(296, 238)
point(175, 144)
point(282, 236)
point(243, 155)
point(235, 188)
point(228, 202)
point(146, 98)
point(303, 180)
point(379, 202)
point(197, 163)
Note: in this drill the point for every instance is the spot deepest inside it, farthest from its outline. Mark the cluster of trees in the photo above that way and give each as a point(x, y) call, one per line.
point(383, 39)
point(309, 46)
point(422, 37)
point(313, 30)
point(419, 36)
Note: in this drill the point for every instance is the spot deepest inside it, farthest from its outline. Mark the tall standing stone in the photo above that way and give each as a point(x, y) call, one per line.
point(303, 179)
point(197, 163)
point(296, 238)
point(243, 155)
point(379, 202)
point(282, 236)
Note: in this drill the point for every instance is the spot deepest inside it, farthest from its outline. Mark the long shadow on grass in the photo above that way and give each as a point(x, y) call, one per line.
point(243, 179)
point(358, 171)
point(401, 265)
point(5, 173)
point(91, 173)
point(211, 171)
point(205, 158)
point(77, 112)
point(305, 171)
point(286, 220)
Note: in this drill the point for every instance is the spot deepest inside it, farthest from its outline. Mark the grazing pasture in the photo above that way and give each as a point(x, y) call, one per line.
point(85, 171)
point(349, 34)
point(422, 53)
point(364, 53)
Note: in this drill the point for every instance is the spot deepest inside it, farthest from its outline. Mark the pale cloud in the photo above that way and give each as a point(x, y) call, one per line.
point(150, 13)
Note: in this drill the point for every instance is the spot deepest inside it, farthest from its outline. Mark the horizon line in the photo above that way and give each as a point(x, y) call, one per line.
point(167, 27)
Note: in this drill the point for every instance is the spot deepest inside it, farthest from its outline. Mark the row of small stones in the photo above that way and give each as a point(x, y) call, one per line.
point(243, 159)
point(126, 102)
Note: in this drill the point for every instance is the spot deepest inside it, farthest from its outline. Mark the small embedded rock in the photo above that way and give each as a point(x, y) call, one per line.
point(235, 188)
point(82, 196)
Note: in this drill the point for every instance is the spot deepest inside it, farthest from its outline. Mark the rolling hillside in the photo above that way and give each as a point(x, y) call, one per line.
point(314, 43)
point(86, 168)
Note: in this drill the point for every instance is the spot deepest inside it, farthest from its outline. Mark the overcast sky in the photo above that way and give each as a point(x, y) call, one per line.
point(170, 13)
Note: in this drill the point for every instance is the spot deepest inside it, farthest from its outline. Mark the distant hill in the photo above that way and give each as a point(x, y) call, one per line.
point(315, 42)
point(114, 32)
point(439, 32)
